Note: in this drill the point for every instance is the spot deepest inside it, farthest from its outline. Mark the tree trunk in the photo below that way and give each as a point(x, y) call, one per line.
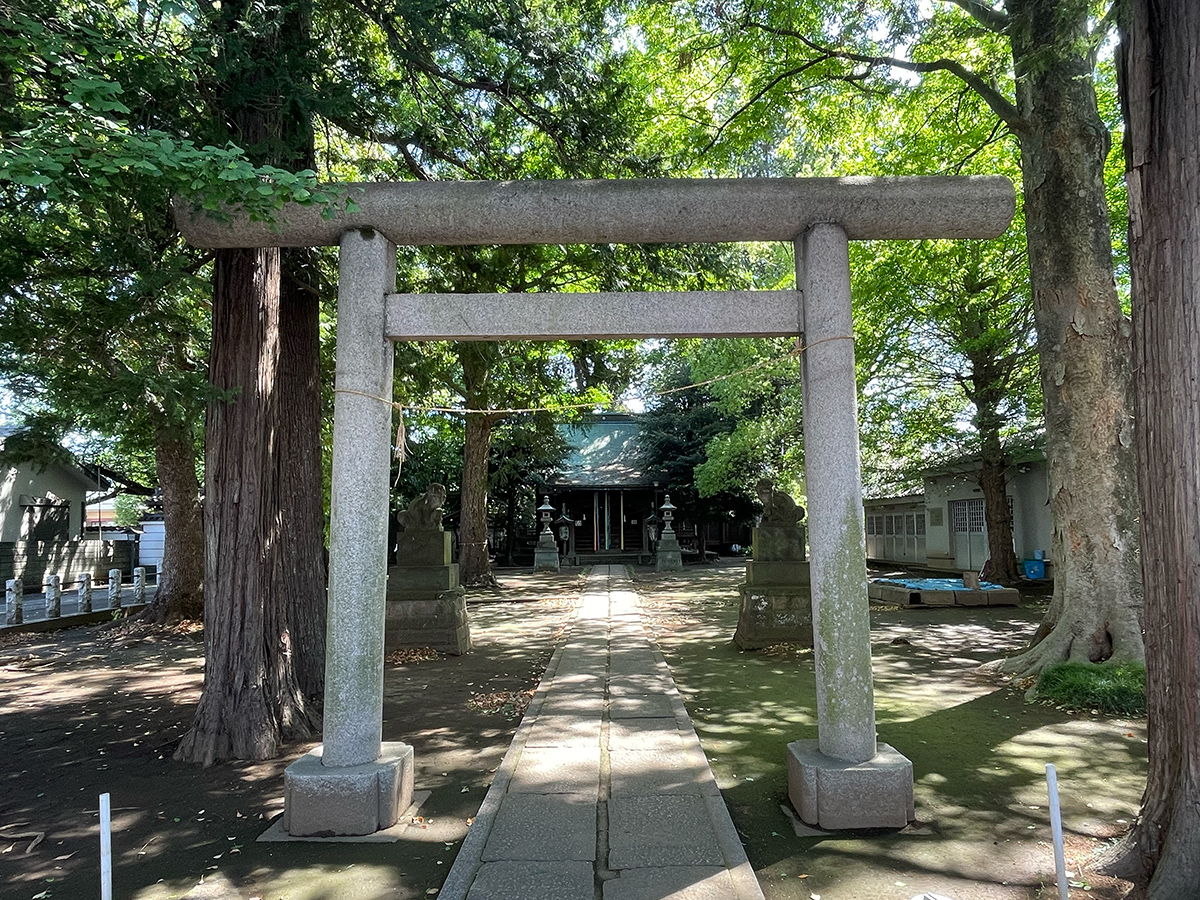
point(510, 524)
point(1083, 346)
point(252, 699)
point(1002, 559)
point(474, 566)
point(180, 592)
point(301, 582)
point(1160, 56)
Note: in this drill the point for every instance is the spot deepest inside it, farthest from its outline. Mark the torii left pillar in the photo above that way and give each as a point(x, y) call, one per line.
point(355, 784)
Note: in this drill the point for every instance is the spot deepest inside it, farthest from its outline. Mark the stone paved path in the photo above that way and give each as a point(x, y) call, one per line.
point(605, 793)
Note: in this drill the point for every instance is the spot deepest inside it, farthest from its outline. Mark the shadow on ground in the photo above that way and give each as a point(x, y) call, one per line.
point(101, 709)
point(98, 709)
point(978, 752)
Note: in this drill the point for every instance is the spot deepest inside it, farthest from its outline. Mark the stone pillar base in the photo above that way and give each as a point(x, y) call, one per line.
point(440, 623)
point(328, 801)
point(545, 556)
point(774, 615)
point(833, 794)
point(668, 557)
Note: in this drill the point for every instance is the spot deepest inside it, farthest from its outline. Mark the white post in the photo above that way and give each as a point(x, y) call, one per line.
point(841, 621)
point(85, 592)
point(139, 585)
point(362, 448)
point(105, 848)
point(1060, 863)
point(53, 596)
point(14, 609)
point(114, 588)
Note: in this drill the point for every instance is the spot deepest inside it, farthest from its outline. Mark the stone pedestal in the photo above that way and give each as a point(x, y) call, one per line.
point(545, 554)
point(328, 801)
point(426, 606)
point(668, 556)
point(833, 794)
point(776, 605)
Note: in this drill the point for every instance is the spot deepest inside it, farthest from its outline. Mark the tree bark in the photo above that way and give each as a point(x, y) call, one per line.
point(1160, 58)
point(301, 586)
point(474, 564)
point(180, 592)
point(1002, 559)
point(264, 572)
point(252, 700)
point(1083, 346)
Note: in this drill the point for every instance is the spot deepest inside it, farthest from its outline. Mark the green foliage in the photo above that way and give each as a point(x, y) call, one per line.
point(680, 430)
point(128, 510)
point(1118, 690)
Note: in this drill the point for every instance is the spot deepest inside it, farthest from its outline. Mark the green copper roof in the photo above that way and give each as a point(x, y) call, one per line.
point(604, 454)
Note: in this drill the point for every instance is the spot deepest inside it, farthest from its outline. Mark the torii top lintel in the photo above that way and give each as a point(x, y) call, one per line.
point(630, 211)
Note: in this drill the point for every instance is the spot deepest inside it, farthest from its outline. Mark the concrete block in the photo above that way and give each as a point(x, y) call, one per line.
point(546, 559)
point(644, 734)
point(668, 556)
point(937, 598)
point(632, 662)
point(774, 615)
point(1004, 597)
point(894, 593)
point(638, 835)
point(564, 731)
point(643, 773)
point(533, 880)
point(874, 591)
point(778, 573)
point(833, 794)
point(440, 622)
point(422, 547)
point(559, 702)
point(543, 827)
point(421, 582)
point(970, 598)
point(641, 706)
point(675, 882)
point(637, 685)
point(324, 800)
point(557, 770)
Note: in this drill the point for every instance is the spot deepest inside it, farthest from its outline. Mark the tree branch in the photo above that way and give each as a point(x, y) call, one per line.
point(999, 104)
point(989, 18)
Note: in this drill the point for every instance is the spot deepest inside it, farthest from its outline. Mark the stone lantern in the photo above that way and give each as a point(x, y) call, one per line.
point(545, 555)
point(668, 556)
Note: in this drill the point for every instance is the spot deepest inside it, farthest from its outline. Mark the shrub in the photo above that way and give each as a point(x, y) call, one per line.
point(1114, 689)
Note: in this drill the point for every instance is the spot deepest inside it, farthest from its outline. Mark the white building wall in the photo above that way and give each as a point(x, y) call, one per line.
point(942, 547)
point(150, 544)
point(54, 483)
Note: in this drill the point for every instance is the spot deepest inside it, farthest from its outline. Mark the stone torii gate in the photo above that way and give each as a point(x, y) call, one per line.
point(354, 783)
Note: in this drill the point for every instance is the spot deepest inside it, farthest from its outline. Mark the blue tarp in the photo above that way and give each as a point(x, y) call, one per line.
point(937, 584)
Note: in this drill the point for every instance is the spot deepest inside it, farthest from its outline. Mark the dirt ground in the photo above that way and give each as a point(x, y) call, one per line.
point(101, 708)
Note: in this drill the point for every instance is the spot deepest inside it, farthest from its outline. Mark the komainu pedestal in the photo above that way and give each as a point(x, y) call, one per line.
point(776, 603)
point(426, 606)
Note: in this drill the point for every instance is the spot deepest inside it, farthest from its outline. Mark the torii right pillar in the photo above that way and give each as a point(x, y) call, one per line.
point(844, 779)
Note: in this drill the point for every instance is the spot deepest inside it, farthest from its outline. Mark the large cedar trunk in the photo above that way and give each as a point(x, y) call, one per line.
point(252, 699)
point(302, 576)
point(1083, 346)
point(180, 592)
point(1161, 95)
point(474, 564)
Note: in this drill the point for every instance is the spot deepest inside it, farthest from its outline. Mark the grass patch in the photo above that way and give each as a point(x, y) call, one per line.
point(1117, 690)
